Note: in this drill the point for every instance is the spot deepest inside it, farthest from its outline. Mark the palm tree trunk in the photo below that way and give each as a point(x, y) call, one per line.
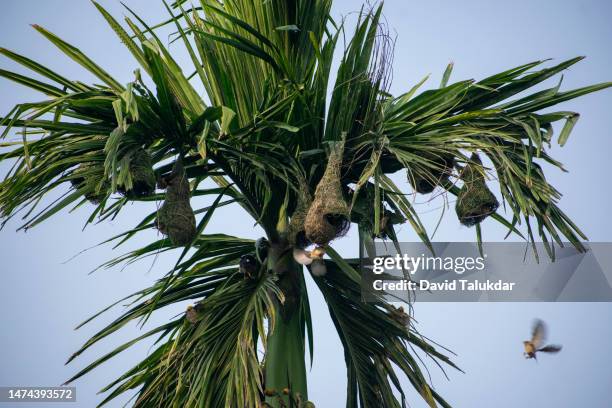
point(285, 365)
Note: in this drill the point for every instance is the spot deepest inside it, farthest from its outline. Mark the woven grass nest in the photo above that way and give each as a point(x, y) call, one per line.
point(175, 218)
point(142, 175)
point(328, 215)
point(475, 201)
point(362, 213)
point(424, 179)
point(90, 178)
point(296, 231)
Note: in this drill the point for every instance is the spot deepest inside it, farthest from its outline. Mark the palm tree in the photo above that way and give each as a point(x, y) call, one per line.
point(302, 162)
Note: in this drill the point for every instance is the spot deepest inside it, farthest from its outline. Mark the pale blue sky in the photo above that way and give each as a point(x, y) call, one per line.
point(42, 299)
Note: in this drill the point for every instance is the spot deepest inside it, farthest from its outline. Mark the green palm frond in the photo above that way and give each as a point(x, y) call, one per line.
point(475, 116)
point(192, 367)
point(374, 341)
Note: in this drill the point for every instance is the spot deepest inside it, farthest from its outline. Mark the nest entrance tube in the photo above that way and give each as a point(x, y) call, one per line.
point(176, 218)
point(142, 175)
point(328, 216)
point(475, 201)
point(424, 179)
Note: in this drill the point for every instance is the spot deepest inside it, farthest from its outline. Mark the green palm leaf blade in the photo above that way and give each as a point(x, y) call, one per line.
point(194, 365)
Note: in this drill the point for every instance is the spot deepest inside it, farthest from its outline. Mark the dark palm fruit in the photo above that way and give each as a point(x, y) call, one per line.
point(262, 247)
point(248, 266)
point(475, 201)
point(424, 179)
point(142, 175)
point(328, 216)
point(175, 218)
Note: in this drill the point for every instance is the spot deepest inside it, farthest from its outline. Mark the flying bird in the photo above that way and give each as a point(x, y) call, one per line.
point(538, 338)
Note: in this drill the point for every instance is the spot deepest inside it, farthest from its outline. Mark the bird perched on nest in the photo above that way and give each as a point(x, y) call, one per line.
point(313, 258)
point(193, 313)
point(538, 337)
point(399, 315)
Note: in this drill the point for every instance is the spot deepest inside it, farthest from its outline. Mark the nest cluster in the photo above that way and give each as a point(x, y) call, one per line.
point(317, 219)
point(475, 201)
point(175, 218)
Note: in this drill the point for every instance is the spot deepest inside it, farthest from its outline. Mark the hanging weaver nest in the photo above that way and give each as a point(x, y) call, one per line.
point(362, 213)
point(296, 231)
point(90, 178)
point(475, 201)
point(328, 216)
point(424, 179)
point(142, 175)
point(175, 217)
